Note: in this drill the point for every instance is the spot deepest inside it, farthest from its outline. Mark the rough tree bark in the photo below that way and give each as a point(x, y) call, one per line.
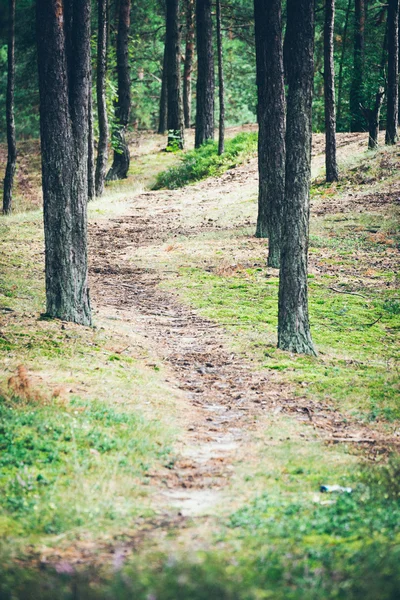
point(121, 160)
point(205, 74)
point(340, 78)
point(11, 138)
point(372, 116)
point(91, 169)
point(293, 324)
point(221, 133)
point(63, 39)
point(393, 72)
point(175, 111)
point(271, 119)
point(332, 173)
point(101, 88)
point(162, 121)
point(188, 66)
point(357, 82)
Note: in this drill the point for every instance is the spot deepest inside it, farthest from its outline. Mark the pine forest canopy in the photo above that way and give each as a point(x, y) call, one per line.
point(146, 49)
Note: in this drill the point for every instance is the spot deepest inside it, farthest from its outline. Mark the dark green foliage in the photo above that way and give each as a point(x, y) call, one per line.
point(205, 162)
point(146, 58)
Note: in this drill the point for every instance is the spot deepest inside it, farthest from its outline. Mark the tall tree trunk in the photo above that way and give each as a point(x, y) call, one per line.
point(11, 139)
point(205, 74)
point(340, 78)
point(332, 173)
point(121, 160)
point(91, 185)
point(162, 122)
point(393, 72)
point(357, 82)
point(271, 119)
point(293, 324)
point(101, 91)
point(175, 111)
point(63, 37)
point(188, 67)
point(221, 135)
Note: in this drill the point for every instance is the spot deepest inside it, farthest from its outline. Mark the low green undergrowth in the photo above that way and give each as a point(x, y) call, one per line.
point(65, 466)
point(205, 162)
point(276, 546)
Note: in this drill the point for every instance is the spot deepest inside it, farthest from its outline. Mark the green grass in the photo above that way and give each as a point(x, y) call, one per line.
point(205, 162)
point(74, 465)
point(357, 365)
point(276, 546)
point(79, 437)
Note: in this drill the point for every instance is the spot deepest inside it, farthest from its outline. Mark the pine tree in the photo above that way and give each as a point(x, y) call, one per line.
point(293, 324)
point(271, 120)
point(11, 138)
point(120, 166)
point(188, 66)
point(393, 72)
point(101, 83)
point(63, 38)
point(205, 74)
point(175, 111)
point(332, 173)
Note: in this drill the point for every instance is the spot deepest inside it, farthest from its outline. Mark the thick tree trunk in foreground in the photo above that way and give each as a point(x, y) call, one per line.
point(271, 119)
point(162, 121)
point(205, 74)
point(188, 67)
point(393, 72)
point(372, 116)
point(63, 38)
point(221, 134)
point(121, 160)
point(175, 112)
point(357, 82)
point(101, 91)
point(332, 173)
point(11, 139)
point(91, 184)
point(293, 325)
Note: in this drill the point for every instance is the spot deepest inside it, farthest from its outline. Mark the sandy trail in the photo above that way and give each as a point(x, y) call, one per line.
point(224, 399)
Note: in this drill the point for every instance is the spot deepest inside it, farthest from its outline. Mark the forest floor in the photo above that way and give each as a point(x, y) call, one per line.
point(177, 435)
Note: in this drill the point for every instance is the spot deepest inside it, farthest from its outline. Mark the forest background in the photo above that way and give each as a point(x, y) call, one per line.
point(146, 49)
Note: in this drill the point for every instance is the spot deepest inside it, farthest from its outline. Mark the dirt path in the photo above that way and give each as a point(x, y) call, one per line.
point(224, 400)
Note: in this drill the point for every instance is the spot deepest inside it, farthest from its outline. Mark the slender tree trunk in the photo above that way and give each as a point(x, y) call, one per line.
point(221, 135)
point(101, 91)
point(91, 185)
point(120, 166)
point(357, 82)
point(393, 72)
point(188, 68)
point(63, 37)
point(372, 116)
point(205, 74)
point(11, 138)
point(175, 111)
point(293, 324)
point(271, 119)
point(162, 122)
point(340, 78)
point(332, 173)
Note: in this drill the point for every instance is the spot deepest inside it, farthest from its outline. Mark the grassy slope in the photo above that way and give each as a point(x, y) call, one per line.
point(280, 541)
